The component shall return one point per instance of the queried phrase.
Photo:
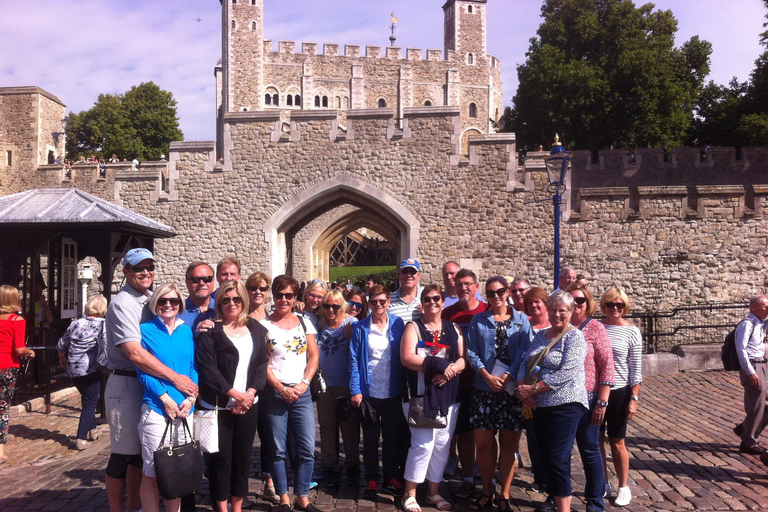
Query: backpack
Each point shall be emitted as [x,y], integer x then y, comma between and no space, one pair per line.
[728,351]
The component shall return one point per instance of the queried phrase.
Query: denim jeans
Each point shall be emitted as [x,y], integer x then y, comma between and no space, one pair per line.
[538,467]
[88,386]
[588,441]
[556,430]
[396,439]
[284,421]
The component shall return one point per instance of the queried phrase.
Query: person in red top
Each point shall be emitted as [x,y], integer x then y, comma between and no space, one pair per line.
[12,329]
[461,314]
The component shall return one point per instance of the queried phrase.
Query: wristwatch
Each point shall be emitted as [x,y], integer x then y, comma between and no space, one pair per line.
[635,398]
[602,403]
[305,381]
[536,388]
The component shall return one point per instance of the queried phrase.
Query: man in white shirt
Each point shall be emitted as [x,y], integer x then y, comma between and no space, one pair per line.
[405,301]
[750,336]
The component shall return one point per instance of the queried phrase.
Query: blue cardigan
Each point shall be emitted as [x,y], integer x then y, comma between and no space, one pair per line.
[358,357]
[481,344]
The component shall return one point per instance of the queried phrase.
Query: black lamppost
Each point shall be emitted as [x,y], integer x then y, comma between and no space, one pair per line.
[557,165]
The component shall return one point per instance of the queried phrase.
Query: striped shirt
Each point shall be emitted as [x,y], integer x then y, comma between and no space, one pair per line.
[408,312]
[627,345]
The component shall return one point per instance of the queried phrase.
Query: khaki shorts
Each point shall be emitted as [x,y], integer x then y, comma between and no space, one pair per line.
[122,398]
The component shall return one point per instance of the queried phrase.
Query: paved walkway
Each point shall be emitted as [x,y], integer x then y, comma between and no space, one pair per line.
[684,456]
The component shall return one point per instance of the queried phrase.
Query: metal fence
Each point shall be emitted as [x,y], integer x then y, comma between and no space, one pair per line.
[697,323]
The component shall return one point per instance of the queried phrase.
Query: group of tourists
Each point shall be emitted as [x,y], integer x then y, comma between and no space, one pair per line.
[435,372]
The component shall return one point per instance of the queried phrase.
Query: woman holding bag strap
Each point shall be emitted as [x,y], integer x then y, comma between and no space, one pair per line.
[232,360]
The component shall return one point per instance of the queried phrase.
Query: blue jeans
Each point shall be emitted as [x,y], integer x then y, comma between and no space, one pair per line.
[588,441]
[284,421]
[538,467]
[556,430]
[88,386]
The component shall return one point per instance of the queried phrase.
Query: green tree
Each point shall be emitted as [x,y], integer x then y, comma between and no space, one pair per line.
[140,123]
[605,71]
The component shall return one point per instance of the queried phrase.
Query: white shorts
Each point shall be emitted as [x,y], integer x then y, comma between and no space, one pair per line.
[122,398]
[151,428]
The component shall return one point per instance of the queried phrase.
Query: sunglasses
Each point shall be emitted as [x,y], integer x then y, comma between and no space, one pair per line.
[409,271]
[432,298]
[615,305]
[334,307]
[356,305]
[286,296]
[498,293]
[262,289]
[138,269]
[227,300]
[519,290]
[378,302]
[199,279]
[583,300]
[172,301]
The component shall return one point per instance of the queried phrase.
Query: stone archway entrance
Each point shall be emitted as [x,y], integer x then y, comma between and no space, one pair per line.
[301,232]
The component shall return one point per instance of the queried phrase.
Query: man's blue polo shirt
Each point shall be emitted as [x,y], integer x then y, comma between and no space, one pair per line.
[192,315]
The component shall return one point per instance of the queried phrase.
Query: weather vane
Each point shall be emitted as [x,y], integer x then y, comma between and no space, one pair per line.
[392,27]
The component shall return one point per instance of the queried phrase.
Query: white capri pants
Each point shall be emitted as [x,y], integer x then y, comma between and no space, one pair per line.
[429,449]
[151,428]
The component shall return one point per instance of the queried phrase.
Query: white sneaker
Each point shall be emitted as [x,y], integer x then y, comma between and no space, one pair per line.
[623,497]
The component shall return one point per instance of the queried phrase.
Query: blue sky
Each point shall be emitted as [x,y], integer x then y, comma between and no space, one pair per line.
[77,49]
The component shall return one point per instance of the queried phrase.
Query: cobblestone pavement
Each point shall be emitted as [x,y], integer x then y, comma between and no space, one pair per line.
[684,456]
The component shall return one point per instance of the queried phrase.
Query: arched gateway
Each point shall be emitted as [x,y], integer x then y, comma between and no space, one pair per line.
[366,206]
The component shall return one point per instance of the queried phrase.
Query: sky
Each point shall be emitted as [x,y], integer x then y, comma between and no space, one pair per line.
[78,49]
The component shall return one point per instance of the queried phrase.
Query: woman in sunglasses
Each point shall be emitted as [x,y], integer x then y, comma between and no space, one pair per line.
[333,345]
[598,368]
[627,346]
[257,285]
[287,409]
[313,298]
[358,306]
[432,352]
[232,360]
[170,340]
[496,341]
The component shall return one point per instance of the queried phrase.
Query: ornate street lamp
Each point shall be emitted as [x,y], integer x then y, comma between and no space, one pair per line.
[557,165]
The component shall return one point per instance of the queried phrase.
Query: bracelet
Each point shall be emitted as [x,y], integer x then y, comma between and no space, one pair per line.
[283,390]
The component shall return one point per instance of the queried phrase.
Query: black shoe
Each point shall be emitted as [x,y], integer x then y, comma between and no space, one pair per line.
[465,489]
[309,508]
[370,491]
[537,487]
[752,450]
[353,476]
[738,429]
[395,487]
[281,508]
[332,477]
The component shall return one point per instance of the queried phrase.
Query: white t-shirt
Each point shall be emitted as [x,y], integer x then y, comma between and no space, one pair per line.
[244,346]
[287,351]
[379,357]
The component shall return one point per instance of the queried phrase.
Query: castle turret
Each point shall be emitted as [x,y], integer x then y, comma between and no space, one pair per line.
[465,30]
[242,55]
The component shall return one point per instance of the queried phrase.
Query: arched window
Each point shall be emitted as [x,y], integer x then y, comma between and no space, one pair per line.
[427,103]
[382,103]
[276,100]
[337,102]
[267,99]
[297,100]
[289,100]
[469,9]
[253,25]
[317,101]
[253,2]
[233,24]
[470,59]
[245,109]
[472,110]
[325,101]
[345,103]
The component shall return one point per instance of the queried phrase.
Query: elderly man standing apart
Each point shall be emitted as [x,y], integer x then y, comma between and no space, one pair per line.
[124,392]
[405,301]
[750,334]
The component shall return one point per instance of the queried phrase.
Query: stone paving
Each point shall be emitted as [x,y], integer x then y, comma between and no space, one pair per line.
[684,456]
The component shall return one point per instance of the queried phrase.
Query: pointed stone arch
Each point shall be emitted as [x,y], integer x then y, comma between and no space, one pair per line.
[323,197]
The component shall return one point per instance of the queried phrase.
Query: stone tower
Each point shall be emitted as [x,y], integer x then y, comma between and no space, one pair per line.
[465,30]
[242,55]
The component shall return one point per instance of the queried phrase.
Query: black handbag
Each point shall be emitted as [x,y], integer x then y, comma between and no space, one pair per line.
[417,418]
[317,385]
[179,469]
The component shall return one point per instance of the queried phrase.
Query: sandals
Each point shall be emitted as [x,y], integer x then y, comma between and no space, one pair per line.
[505,502]
[410,504]
[481,501]
[439,502]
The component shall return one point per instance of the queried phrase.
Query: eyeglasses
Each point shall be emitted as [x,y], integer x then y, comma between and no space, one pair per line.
[334,307]
[409,271]
[315,296]
[199,279]
[378,302]
[173,301]
[519,290]
[262,289]
[583,300]
[236,300]
[286,296]
[615,305]
[498,292]
[432,298]
[138,269]
[356,305]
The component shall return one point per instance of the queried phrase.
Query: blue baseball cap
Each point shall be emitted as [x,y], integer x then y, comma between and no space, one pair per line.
[410,263]
[136,256]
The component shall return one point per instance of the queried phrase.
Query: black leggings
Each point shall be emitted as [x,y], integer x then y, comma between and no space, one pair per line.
[229,467]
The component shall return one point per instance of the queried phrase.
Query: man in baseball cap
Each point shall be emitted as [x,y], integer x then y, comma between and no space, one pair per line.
[405,301]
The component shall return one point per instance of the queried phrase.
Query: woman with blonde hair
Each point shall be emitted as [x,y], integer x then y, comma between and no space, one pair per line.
[78,349]
[313,299]
[257,285]
[627,347]
[12,347]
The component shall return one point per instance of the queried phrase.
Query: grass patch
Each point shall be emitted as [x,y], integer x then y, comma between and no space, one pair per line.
[358,274]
